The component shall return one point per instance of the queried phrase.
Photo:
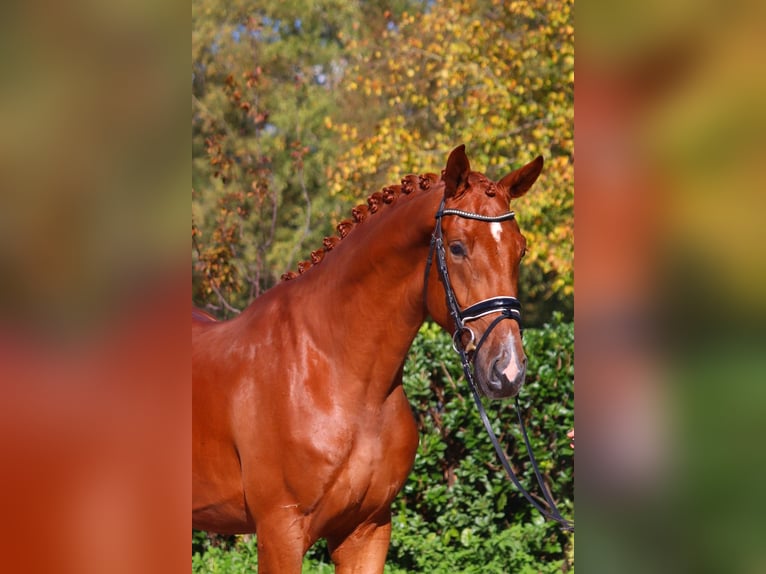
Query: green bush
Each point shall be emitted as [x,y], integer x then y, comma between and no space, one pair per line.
[458,511]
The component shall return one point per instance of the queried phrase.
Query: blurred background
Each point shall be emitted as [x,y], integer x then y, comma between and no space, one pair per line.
[670,287]
[302,109]
[94,356]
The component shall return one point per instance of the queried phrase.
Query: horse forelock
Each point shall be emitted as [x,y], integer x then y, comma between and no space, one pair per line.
[478,183]
[478,180]
[375,202]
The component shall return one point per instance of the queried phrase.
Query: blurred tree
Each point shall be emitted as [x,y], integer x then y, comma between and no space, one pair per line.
[495,75]
[300,109]
[263,79]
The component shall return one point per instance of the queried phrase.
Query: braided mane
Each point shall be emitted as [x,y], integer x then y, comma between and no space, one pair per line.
[361,212]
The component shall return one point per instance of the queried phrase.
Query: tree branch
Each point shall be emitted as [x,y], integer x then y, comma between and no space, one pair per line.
[223,300]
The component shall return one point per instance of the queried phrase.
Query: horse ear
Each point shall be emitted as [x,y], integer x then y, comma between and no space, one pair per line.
[456,172]
[518,182]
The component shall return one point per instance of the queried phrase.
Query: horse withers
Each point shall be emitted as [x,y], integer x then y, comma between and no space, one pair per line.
[301,427]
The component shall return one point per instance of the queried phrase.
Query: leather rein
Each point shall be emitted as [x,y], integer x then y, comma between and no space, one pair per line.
[508,308]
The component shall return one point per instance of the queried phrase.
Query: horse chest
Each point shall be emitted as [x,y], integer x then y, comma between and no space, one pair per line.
[363,464]
[364,485]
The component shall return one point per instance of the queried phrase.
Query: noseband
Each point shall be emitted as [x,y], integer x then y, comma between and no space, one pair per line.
[508,308]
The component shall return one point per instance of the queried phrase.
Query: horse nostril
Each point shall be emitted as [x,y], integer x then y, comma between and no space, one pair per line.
[499,376]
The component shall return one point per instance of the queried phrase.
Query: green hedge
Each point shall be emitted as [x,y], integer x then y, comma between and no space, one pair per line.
[458,512]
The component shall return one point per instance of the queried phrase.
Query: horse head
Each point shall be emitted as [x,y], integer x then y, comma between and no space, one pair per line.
[478,247]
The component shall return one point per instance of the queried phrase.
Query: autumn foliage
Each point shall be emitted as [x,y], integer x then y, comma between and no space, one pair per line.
[300,110]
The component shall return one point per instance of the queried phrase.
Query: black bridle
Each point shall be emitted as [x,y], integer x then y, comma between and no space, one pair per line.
[507,307]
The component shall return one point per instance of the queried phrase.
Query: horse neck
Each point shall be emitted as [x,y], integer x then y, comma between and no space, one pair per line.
[367,294]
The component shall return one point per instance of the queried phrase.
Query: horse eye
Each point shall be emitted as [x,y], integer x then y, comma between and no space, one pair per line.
[457,249]
[523,252]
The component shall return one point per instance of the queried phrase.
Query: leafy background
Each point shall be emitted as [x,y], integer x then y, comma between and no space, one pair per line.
[300,110]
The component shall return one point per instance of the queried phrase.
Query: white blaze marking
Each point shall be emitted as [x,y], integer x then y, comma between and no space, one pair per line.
[496,229]
[515,365]
[513,369]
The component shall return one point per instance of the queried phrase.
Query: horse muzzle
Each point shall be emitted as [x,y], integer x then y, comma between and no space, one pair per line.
[501,375]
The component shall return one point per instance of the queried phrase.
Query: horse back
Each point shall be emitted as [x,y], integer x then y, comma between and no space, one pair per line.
[218,500]
[200,316]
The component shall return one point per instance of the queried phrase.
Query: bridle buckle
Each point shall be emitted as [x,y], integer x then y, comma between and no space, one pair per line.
[457,343]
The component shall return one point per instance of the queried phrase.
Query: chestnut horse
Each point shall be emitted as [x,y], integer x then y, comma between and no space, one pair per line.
[301,427]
